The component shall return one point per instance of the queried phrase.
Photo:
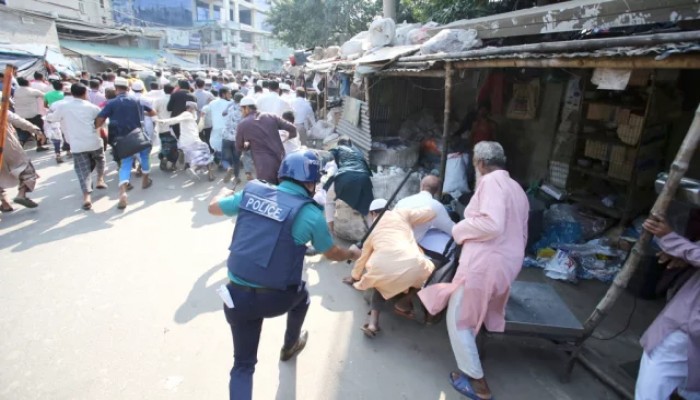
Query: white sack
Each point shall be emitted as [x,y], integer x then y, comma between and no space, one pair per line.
[381,32]
[451,41]
[321,130]
[455,174]
[402,30]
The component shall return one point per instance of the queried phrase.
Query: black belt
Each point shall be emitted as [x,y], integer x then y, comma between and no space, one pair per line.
[244,288]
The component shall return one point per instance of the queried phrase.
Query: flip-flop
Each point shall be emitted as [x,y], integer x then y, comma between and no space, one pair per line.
[102,186]
[129,186]
[405,314]
[7,209]
[464,387]
[87,206]
[148,184]
[25,201]
[370,333]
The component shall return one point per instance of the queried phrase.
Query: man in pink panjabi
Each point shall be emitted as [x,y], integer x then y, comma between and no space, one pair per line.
[493,237]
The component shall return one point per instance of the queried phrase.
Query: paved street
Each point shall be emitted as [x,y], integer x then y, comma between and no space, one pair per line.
[121,305]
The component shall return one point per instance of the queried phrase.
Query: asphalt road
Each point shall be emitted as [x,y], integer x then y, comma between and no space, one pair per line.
[108,305]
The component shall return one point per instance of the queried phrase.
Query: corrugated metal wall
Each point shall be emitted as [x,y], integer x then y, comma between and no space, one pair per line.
[360,134]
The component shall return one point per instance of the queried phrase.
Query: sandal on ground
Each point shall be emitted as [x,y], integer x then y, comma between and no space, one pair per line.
[148,184]
[25,201]
[101,186]
[369,332]
[464,387]
[6,209]
[87,206]
[408,314]
[129,186]
[349,282]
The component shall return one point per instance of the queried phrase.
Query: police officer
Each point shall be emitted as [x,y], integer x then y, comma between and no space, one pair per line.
[266,260]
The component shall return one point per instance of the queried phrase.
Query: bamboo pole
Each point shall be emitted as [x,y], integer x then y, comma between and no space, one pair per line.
[567,46]
[678,169]
[446,123]
[5,107]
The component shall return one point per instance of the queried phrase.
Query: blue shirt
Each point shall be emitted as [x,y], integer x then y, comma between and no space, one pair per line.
[125,114]
[309,224]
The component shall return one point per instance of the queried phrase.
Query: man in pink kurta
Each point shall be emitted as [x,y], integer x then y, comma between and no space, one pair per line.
[493,237]
[671,358]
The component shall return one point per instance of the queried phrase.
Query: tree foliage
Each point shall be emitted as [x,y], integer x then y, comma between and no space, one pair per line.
[445,11]
[308,23]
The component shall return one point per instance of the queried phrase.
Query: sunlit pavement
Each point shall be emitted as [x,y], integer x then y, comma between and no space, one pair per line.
[106,304]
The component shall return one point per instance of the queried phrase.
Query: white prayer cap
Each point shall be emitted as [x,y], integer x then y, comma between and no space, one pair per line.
[137,86]
[377,204]
[121,82]
[284,86]
[192,105]
[248,101]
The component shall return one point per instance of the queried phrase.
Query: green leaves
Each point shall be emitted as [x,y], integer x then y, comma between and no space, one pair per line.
[309,23]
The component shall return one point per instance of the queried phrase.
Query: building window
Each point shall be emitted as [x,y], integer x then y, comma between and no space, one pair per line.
[246,37]
[217,13]
[102,3]
[245,17]
[218,36]
[202,11]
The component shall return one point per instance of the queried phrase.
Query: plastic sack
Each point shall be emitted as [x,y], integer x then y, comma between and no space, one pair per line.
[352,48]
[381,32]
[561,267]
[321,130]
[420,35]
[331,52]
[402,31]
[455,174]
[596,259]
[451,41]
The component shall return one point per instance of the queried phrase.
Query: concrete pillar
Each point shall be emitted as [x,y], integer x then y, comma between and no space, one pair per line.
[236,11]
[237,62]
[389,9]
[225,11]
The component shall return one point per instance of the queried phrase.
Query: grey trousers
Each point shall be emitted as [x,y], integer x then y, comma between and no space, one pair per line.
[84,163]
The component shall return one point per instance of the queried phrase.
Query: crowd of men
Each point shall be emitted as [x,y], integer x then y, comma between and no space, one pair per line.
[209,123]
[194,117]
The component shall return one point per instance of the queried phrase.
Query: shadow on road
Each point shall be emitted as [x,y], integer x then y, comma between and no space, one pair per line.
[202,298]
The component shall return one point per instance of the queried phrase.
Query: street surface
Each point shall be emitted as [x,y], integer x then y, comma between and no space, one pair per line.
[122,305]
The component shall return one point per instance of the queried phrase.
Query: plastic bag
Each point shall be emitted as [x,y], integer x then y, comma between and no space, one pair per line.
[455,174]
[402,31]
[561,267]
[381,32]
[451,41]
[420,35]
[351,49]
[321,130]
[596,259]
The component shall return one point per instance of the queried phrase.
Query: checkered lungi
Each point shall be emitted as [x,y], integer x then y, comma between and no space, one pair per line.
[84,163]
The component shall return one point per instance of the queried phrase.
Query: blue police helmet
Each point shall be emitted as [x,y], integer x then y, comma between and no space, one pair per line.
[302,166]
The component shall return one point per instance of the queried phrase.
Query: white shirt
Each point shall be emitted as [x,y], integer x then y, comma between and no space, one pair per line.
[189,133]
[26,104]
[77,118]
[107,85]
[216,110]
[290,145]
[160,106]
[303,113]
[272,103]
[163,81]
[423,199]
